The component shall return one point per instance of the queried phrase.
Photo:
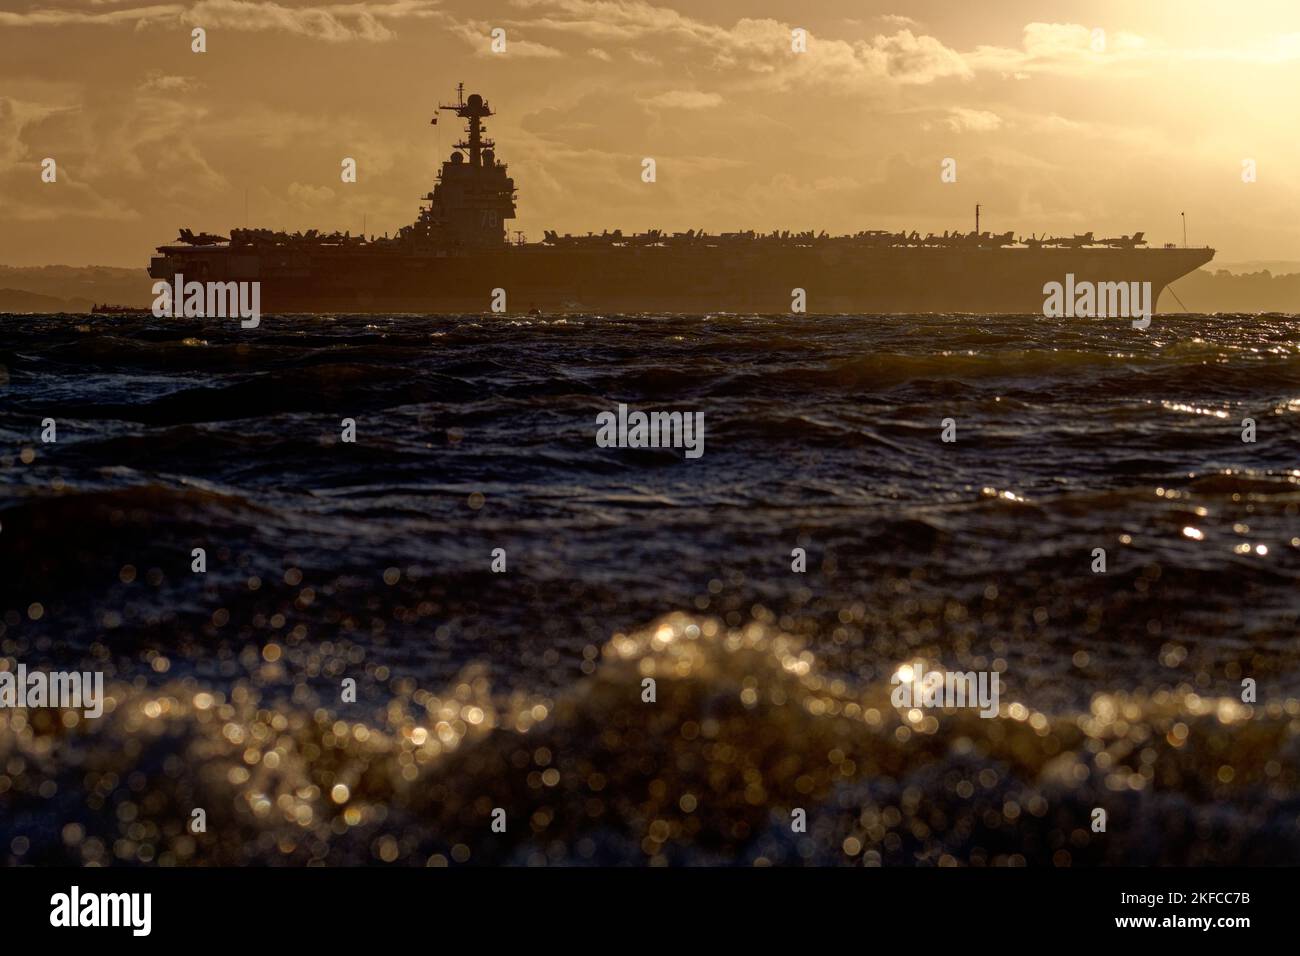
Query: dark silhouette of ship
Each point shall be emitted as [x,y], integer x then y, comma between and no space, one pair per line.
[457,254]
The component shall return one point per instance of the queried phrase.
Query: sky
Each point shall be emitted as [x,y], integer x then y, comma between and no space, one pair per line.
[1062,117]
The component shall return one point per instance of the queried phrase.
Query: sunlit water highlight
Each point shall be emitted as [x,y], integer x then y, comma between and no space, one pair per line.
[523,690]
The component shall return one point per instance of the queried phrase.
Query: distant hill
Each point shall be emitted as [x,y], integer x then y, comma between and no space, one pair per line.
[1279,267]
[72,288]
[19,300]
[1224,291]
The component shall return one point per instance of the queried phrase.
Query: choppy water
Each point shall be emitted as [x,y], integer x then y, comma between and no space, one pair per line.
[522,690]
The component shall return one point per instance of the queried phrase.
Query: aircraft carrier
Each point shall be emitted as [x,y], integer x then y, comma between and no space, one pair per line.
[458,252]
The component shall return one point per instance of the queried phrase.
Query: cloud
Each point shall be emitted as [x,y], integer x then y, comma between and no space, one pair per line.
[15,115]
[961,119]
[1073,49]
[334,24]
[754,52]
[365,20]
[898,20]
[479,36]
[62,17]
[27,197]
[684,100]
[63,201]
[304,194]
[158,82]
[1055,48]
[908,58]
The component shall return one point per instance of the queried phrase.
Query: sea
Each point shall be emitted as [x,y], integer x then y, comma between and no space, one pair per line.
[367,590]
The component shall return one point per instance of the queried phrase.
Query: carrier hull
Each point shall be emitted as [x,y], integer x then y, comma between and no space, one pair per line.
[663,279]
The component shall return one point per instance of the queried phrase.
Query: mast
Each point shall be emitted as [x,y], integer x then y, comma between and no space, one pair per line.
[473,111]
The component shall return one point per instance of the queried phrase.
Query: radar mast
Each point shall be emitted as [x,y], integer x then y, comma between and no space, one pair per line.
[473,111]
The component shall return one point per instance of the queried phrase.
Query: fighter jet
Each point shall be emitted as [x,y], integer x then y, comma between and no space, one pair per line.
[202,239]
[1126,242]
[1079,240]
